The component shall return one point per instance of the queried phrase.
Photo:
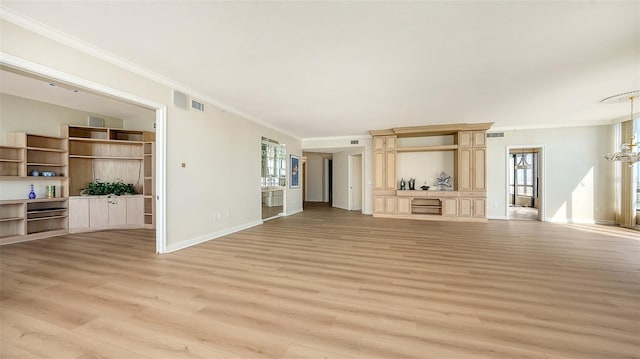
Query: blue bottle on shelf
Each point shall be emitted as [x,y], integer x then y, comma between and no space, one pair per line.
[32,193]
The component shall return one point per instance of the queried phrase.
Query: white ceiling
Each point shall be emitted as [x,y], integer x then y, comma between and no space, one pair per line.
[25,85]
[321,69]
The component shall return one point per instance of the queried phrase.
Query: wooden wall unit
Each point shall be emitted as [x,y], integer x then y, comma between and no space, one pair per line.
[26,219]
[81,155]
[467,200]
[109,155]
[149,185]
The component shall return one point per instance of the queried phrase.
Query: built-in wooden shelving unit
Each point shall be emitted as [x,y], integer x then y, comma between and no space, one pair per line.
[465,202]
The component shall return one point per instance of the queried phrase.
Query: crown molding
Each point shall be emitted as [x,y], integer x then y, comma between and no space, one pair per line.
[331,138]
[49,32]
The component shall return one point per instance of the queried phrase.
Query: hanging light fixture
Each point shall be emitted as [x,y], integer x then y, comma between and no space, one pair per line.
[523,164]
[626,153]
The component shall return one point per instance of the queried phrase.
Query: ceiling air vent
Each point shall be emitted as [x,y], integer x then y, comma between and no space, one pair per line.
[197,105]
[355,142]
[495,134]
[180,100]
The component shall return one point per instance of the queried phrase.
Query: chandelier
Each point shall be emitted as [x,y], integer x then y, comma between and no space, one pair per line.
[626,153]
[523,164]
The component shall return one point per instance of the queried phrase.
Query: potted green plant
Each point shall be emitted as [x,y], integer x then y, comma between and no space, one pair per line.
[99,188]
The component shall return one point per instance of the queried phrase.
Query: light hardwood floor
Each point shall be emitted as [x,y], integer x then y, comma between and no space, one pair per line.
[328,283]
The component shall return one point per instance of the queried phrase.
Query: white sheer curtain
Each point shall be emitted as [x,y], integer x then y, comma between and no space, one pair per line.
[626,191]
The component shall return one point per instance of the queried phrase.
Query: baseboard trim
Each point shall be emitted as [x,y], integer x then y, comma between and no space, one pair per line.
[581,221]
[299,210]
[207,237]
[504,218]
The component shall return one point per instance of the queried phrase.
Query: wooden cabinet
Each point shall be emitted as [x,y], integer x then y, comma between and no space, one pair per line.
[390,163]
[135,211]
[98,213]
[89,213]
[450,207]
[390,204]
[379,176]
[78,213]
[404,205]
[384,174]
[472,207]
[384,163]
[471,167]
[379,204]
[81,155]
[110,155]
[466,145]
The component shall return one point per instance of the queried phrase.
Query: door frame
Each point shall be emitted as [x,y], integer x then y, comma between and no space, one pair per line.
[542,174]
[161,125]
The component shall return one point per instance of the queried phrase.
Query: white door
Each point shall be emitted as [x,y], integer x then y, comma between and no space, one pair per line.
[355,182]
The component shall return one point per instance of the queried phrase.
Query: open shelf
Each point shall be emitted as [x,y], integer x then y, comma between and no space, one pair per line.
[107,157]
[426,206]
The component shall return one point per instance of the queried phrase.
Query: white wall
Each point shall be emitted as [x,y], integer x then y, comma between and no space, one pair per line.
[424,167]
[344,144]
[314,177]
[19,114]
[579,182]
[221,150]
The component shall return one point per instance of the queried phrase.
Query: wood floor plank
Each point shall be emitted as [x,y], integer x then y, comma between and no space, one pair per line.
[328,283]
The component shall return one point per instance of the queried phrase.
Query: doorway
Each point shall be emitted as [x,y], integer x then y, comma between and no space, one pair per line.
[355,182]
[329,181]
[524,187]
[33,69]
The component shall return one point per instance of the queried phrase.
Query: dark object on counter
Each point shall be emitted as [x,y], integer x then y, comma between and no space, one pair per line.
[425,188]
[412,184]
[402,184]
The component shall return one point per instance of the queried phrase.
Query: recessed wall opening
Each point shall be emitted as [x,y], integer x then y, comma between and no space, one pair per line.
[63,90]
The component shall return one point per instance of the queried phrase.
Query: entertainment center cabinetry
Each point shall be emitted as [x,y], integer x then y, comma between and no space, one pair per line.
[68,163]
[465,201]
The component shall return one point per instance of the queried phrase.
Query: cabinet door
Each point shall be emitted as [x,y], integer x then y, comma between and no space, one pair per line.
[390,143]
[378,169]
[117,211]
[479,139]
[78,213]
[98,212]
[404,205]
[478,170]
[450,207]
[464,170]
[135,210]
[378,143]
[391,171]
[465,139]
[378,204]
[479,207]
[465,207]
[390,205]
